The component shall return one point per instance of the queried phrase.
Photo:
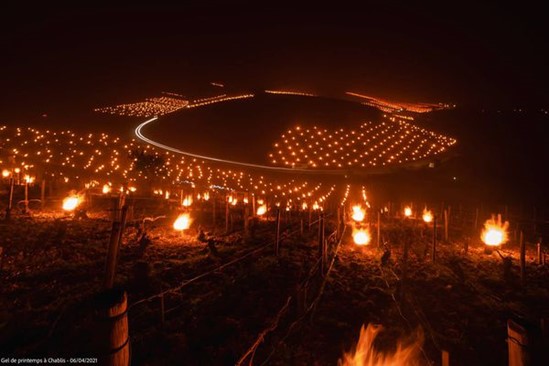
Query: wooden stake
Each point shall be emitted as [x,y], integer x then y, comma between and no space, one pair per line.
[446,225]
[112,253]
[522,258]
[10,199]
[434,250]
[445,358]
[378,228]
[115,335]
[162,309]
[246,221]
[321,246]
[540,257]
[226,215]
[277,238]
[517,343]
[43,193]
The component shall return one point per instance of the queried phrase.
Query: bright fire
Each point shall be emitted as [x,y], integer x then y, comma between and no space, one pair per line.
[70,203]
[358,213]
[261,210]
[106,189]
[187,201]
[407,352]
[183,222]
[361,237]
[494,232]
[407,211]
[427,215]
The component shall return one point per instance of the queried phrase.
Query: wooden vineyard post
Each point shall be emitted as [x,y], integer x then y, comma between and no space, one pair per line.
[378,229]
[522,258]
[10,198]
[26,196]
[338,220]
[112,254]
[277,237]
[213,209]
[162,309]
[246,221]
[446,214]
[445,358]
[517,343]
[475,222]
[321,245]
[226,215]
[43,193]
[253,205]
[540,252]
[434,249]
[114,328]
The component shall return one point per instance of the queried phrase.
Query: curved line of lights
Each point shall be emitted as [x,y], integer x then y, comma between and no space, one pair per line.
[140,135]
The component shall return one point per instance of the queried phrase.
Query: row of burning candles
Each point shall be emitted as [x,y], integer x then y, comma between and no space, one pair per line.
[493,234]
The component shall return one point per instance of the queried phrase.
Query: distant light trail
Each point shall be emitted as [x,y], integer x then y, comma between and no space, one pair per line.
[140,135]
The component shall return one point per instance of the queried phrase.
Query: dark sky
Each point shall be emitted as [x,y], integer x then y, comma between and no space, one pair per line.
[475,54]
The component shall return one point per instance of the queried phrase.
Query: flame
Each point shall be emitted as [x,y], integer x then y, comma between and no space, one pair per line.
[358,213]
[494,232]
[5,173]
[183,222]
[106,189]
[187,201]
[206,196]
[427,215]
[70,203]
[261,210]
[28,179]
[407,211]
[407,352]
[304,206]
[316,206]
[361,236]
[234,201]
[245,200]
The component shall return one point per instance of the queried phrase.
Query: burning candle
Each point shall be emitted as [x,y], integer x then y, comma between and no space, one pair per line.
[427,216]
[183,222]
[361,237]
[494,232]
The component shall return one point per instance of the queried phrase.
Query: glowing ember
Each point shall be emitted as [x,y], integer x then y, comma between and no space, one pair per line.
[206,196]
[316,206]
[361,237]
[28,179]
[494,232]
[70,203]
[427,215]
[5,173]
[358,213]
[304,206]
[261,210]
[407,211]
[183,222]
[407,352]
[106,189]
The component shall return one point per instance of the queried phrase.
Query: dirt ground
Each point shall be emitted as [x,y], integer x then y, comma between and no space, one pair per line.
[53,267]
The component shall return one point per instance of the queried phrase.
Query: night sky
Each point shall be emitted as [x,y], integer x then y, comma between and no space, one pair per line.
[470,55]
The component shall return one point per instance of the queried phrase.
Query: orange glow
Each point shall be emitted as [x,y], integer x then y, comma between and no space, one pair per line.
[70,203]
[187,201]
[183,222]
[407,211]
[406,353]
[361,236]
[427,216]
[106,189]
[5,173]
[261,210]
[494,232]
[358,213]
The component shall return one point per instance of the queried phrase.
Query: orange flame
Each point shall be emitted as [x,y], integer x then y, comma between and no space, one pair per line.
[361,236]
[427,216]
[261,210]
[407,352]
[70,203]
[358,213]
[183,222]
[494,232]
[407,211]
